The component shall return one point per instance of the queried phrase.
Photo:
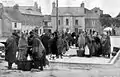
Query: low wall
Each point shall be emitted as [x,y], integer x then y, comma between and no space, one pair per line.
[115,42]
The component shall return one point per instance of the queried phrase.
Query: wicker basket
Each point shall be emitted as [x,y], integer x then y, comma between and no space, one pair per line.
[25,65]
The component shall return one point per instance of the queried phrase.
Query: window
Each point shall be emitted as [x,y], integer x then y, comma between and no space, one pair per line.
[46,24]
[76,22]
[96,11]
[59,22]
[15,25]
[67,22]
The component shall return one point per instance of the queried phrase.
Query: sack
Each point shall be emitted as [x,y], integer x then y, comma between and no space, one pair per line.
[25,65]
[87,51]
[80,53]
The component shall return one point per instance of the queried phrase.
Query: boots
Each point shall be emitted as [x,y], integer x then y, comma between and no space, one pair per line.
[10,65]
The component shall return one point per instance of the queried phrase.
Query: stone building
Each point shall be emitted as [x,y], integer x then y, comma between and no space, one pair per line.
[20,18]
[47,27]
[32,18]
[75,19]
[10,20]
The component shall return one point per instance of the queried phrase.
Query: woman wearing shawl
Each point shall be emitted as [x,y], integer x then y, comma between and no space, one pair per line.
[106,45]
[22,45]
[11,49]
[38,52]
[60,43]
[81,41]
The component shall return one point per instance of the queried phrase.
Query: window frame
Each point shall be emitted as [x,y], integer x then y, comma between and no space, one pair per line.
[59,22]
[46,23]
[67,21]
[76,22]
[15,25]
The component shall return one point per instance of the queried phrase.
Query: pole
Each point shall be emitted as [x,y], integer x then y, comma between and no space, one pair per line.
[57,15]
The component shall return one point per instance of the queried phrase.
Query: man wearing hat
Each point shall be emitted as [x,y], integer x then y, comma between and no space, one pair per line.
[11,49]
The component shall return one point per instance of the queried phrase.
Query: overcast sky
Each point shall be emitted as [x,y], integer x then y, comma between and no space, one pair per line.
[111,7]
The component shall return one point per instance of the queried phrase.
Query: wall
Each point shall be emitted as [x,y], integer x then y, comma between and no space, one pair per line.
[6,27]
[92,23]
[27,28]
[81,22]
[0,27]
[114,42]
[70,25]
[53,23]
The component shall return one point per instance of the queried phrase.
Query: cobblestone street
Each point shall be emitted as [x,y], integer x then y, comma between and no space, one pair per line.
[57,70]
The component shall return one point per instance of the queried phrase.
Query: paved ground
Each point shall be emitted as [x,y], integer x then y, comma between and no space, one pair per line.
[55,70]
[75,59]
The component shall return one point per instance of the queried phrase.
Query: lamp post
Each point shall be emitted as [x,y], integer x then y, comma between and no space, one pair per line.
[56,15]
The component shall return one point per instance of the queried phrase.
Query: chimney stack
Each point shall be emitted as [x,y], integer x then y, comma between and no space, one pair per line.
[53,5]
[16,6]
[82,4]
[39,9]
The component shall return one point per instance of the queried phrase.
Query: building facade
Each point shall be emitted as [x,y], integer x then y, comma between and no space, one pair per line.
[47,27]
[10,20]
[20,18]
[75,19]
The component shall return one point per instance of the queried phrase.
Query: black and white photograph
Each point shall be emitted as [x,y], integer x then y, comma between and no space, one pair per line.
[59,38]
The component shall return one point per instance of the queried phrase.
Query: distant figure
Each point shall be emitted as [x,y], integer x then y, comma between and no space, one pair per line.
[38,52]
[11,49]
[81,41]
[52,44]
[106,45]
[60,43]
[44,40]
[22,45]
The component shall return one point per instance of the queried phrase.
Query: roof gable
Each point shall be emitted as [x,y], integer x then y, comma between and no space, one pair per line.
[29,10]
[13,14]
[69,10]
[32,19]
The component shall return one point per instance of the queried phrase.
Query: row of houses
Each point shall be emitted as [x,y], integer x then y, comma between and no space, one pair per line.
[22,18]
[26,18]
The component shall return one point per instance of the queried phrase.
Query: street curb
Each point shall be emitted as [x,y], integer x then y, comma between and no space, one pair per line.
[111,62]
[115,58]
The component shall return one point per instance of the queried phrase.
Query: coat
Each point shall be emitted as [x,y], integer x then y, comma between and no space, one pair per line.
[52,45]
[106,45]
[22,53]
[38,51]
[37,48]
[60,43]
[81,41]
[11,49]
[44,40]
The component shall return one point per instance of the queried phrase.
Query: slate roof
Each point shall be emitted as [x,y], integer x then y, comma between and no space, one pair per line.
[13,14]
[29,10]
[32,19]
[90,14]
[76,11]
[16,16]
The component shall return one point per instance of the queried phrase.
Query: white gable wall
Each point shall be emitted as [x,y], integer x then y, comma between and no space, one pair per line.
[0,27]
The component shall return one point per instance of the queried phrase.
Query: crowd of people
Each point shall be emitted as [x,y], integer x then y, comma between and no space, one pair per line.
[57,43]
[97,44]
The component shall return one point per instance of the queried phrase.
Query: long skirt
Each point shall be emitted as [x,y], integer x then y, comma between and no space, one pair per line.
[22,54]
